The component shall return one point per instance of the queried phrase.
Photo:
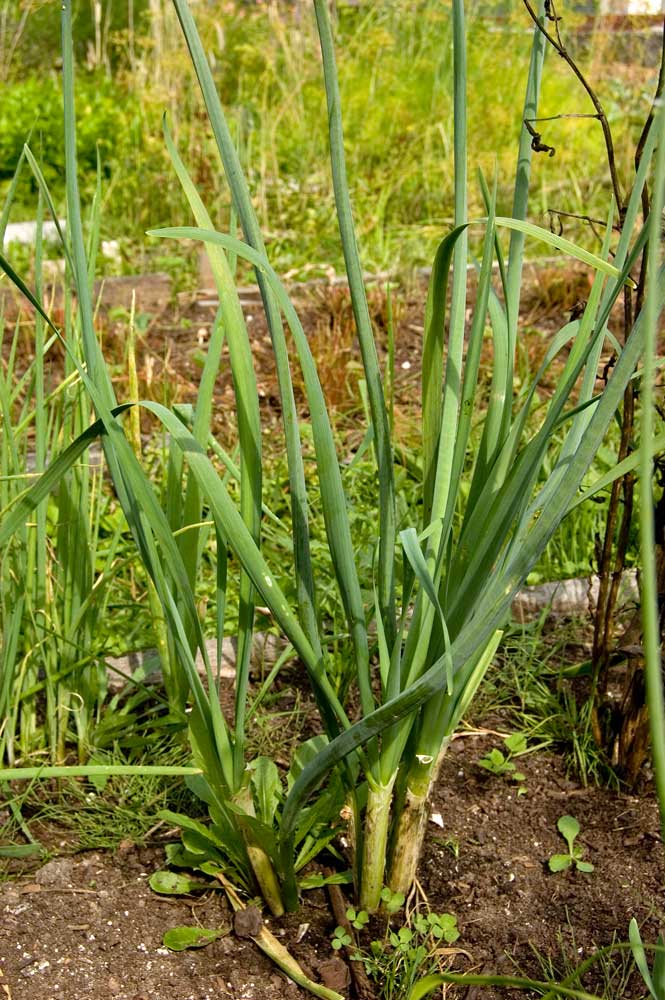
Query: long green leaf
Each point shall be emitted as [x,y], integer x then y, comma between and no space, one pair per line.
[249,433]
[245,210]
[651,612]
[428,984]
[380,424]
[332,490]
[432,364]
[560,243]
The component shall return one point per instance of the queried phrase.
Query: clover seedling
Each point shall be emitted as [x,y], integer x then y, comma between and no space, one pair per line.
[358,918]
[441,926]
[569,828]
[391,901]
[341,937]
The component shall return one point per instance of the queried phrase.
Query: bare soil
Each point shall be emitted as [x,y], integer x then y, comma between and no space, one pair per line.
[88,925]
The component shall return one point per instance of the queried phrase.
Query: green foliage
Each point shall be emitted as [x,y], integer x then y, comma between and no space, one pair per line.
[257,811]
[109,126]
[184,938]
[391,902]
[396,961]
[569,829]
[357,918]
[341,939]
[501,764]
[654,979]
[537,681]
[440,585]
[395,79]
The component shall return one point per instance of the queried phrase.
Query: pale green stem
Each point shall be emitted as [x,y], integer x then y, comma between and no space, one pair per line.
[650,610]
[259,860]
[375,842]
[412,821]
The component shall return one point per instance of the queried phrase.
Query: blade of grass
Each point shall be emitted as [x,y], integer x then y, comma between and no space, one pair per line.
[245,210]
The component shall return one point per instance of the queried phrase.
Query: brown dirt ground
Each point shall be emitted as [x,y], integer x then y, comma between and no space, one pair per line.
[88,925]
[176,339]
[176,330]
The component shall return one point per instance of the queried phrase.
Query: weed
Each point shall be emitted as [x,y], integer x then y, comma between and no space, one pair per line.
[654,979]
[501,764]
[569,829]
[396,961]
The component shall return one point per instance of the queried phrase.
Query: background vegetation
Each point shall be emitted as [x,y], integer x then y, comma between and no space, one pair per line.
[395,80]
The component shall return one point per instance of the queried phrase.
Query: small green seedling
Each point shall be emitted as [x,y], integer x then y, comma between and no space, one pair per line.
[451,844]
[397,960]
[391,902]
[440,926]
[569,828]
[357,918]
[501,764]
[341,937]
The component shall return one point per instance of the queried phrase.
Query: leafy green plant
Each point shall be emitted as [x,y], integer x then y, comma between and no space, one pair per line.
[395,961]
[341,937]
[391,902]
[569,829]
[501,764]
[56,585]
[357,918]
[440,593]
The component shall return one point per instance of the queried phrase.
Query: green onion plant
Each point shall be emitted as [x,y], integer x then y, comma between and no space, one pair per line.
[441,591]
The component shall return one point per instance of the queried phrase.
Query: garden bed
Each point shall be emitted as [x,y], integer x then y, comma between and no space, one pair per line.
[88,925]
[173,331]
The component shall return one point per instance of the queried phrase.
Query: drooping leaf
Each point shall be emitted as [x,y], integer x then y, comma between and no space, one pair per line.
[173,884]
[560,243]
[317,880]
[182,938]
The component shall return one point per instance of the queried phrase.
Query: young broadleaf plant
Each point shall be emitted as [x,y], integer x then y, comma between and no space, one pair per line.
[433,641]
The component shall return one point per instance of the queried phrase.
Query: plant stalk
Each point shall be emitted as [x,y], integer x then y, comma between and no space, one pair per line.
[412,822]
[260,861]
[375,843]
